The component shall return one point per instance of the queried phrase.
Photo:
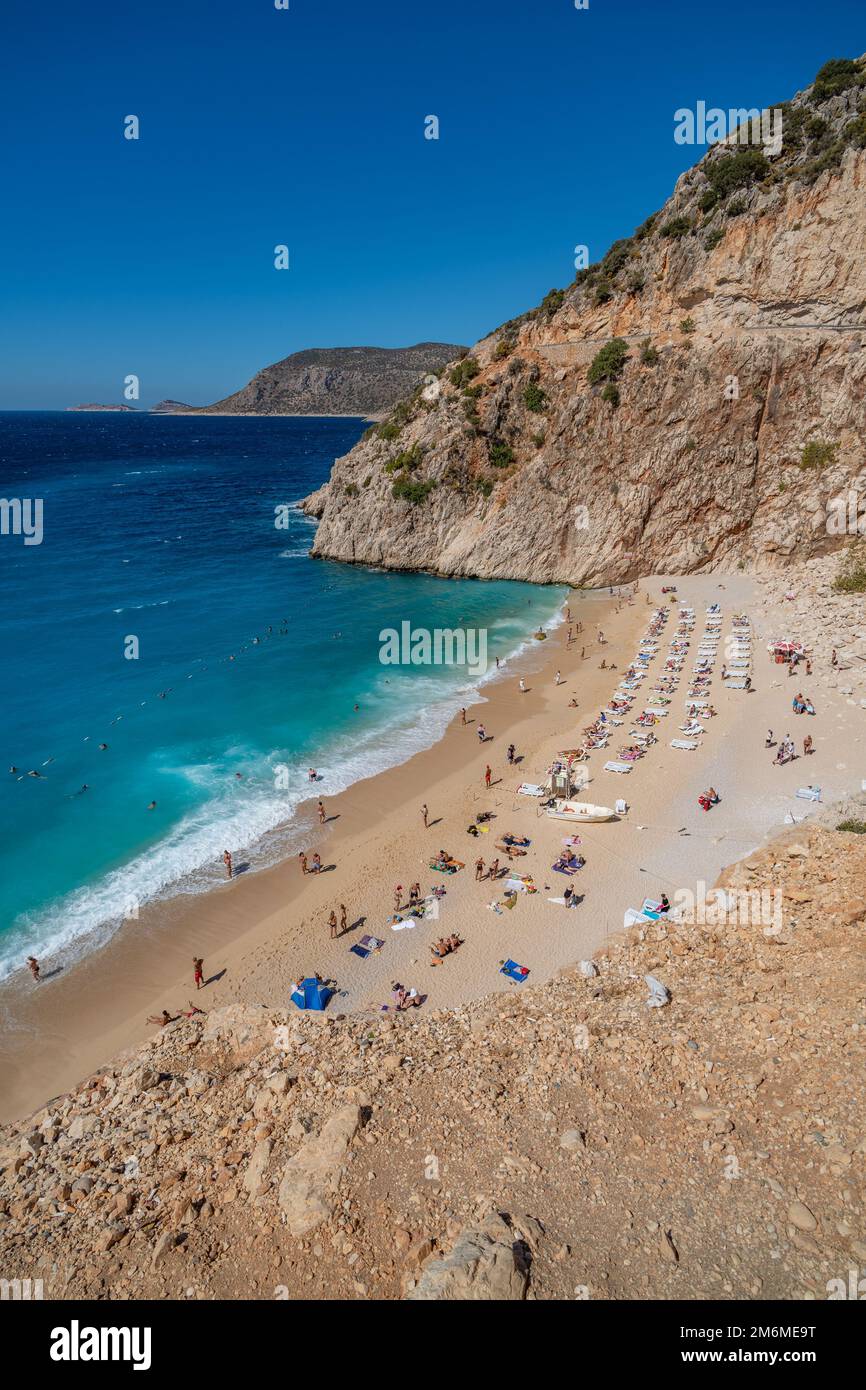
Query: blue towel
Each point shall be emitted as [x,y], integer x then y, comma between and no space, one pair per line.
[359,951]
[513,971]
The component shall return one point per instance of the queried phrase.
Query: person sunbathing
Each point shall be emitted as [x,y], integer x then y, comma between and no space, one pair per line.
[162,1019]
[511,839]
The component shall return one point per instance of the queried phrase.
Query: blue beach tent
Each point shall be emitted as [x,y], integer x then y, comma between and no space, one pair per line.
[312,994]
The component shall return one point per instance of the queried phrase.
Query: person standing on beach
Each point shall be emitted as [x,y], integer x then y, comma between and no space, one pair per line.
[303,858]
[398,896]
[479,869]
[33,965]
[493,871]
[227,860]
[487,776]
[317,864]
[522,684]
[321,813]
[482,733]
[344,918]
[511,752]
[463,715]
[198,971]
[424,814]
[332,923]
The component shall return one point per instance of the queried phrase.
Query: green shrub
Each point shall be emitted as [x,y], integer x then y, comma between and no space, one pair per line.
[713,238]
[408,490]
[465,370]
[368,480]
[648,354]
[406,460]
[400,416]
[538,440]
[551,302]
[732,171]
[352,490]
[818,454]
[534,398]
[854,827]
[484,486]
[503,347]
[677,227]
[611,394]
[851,578]
[834,77]
[608,362]
[499,453]
[855,131]
[617,256]
[687,325]
[603,292]
[646,228]
[636,282]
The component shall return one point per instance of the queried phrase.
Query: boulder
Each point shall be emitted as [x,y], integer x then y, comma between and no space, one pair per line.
[310,1178]
[480,1268]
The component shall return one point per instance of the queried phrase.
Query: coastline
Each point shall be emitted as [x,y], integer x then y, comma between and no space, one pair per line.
[66,1028]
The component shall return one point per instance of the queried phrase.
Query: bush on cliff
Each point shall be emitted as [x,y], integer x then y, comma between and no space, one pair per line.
[851,578]
[407,490]
[609,362]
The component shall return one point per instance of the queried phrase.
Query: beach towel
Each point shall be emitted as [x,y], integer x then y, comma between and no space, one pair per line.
[520,885]
[358,950]
[809,793]
[515,972]
[686,743]
[634,918]
[617,767]
[404,923]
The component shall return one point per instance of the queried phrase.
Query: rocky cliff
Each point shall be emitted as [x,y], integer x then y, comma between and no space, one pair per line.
[334,381]
[689,402]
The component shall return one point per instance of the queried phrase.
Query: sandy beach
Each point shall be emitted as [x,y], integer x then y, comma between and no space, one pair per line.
[260,932]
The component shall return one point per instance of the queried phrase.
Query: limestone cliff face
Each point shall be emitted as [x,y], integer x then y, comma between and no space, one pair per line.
[741,313]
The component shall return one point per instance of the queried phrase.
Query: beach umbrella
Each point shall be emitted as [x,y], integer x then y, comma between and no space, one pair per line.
[312,994]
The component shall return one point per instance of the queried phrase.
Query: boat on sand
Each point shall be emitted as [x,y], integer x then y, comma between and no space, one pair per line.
[583,811]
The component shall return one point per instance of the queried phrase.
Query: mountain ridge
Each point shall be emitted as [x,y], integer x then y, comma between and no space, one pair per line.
[364,381]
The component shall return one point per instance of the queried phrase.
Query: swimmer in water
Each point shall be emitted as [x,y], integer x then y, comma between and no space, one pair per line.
[102,747]
[152,806]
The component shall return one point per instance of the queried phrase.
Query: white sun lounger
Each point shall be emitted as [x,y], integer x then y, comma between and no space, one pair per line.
[808,793]
[530,789]
[690,744]
[618,767]
[738,683]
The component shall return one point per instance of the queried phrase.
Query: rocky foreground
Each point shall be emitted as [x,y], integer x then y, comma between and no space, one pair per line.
[558,1142]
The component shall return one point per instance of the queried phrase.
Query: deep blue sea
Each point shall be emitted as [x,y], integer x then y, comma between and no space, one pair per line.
[250,659]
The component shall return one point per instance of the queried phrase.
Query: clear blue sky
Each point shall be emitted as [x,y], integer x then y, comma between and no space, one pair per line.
[261,126]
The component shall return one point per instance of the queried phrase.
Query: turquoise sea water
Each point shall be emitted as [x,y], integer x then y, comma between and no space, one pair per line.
[163,529]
